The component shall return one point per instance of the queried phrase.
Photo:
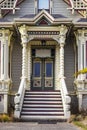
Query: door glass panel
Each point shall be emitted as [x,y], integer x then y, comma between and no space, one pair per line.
[37,69]
[49,69]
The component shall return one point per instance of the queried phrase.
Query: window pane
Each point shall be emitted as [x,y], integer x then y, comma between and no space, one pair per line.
[49,69]
[43,4]
[37,69]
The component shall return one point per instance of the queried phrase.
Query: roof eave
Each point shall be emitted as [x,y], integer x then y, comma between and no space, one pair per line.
[80,24]
[6,24]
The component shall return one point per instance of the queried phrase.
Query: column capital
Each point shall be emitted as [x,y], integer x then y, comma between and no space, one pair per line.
[5,36]
[62,35]
[24,35]
[80,36]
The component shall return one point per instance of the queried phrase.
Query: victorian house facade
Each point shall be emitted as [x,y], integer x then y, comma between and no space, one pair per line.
[43,43]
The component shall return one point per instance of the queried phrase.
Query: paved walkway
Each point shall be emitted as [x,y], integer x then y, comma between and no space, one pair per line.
[36,126]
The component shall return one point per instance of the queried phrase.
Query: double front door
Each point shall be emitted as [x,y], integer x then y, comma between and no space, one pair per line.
[42,74]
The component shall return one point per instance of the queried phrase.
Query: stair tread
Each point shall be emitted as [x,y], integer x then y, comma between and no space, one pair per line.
[49,98]
[43,109]
[42,105]
[45,117]
[51,113]
[42,96]
[43,91]
[41,102]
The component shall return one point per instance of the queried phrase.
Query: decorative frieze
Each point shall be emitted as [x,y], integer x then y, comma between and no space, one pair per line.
[24,35]
[43,32]
[62,35]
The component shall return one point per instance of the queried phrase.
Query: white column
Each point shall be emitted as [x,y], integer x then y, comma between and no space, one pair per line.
[29,66]
[5,53]
[24,60]
[61,60]
[81,43]
[57,68]
[5,103]
[62,37]
[80,101]
[24,41]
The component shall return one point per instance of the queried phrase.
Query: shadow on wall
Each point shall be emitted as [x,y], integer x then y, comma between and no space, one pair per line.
[74,104]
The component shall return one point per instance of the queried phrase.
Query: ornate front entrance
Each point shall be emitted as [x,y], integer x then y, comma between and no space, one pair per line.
[42,73]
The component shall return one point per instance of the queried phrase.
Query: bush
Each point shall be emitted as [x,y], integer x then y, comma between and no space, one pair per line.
[5,118]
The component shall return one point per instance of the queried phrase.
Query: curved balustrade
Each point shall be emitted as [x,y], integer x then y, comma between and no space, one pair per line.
[19,98]
[65,98]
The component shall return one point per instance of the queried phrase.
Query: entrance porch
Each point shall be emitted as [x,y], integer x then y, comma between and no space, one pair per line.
[42,79]
[42,83]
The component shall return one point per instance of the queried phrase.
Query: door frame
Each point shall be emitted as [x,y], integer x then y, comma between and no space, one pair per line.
[42,77]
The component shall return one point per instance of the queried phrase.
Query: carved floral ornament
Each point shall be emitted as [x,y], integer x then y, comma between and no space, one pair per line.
[81,35]
[5,36]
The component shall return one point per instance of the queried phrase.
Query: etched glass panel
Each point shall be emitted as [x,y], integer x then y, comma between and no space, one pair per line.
[49,69]
[37,69]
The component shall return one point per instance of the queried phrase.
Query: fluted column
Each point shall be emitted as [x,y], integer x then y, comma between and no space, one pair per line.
[24,41]
[62,37]
[5,42]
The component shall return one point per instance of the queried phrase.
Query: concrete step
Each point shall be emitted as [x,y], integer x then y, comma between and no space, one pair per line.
[41,113]
[44,117]
[42,105]
[41,96]
[43,92]
[41,99]
[42,102]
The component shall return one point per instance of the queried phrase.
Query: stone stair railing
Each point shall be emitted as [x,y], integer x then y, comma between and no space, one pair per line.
[65,98]
[18,100]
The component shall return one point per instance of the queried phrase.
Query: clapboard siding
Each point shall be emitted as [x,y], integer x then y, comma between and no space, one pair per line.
[60,7]
[69,65]
[16,65]
[26,7]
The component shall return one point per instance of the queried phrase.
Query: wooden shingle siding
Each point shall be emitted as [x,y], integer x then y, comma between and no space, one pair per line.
[16,66]
[69,65]
[60,7]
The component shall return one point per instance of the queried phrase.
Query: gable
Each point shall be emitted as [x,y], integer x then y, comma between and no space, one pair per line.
[28,7]
[43,22]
